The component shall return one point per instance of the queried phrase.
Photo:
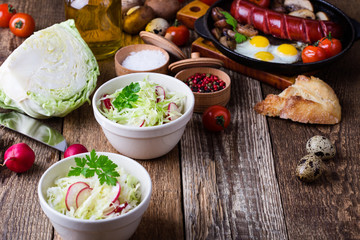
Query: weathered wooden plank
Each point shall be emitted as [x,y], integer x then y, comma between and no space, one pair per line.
[164,217]
[229,182]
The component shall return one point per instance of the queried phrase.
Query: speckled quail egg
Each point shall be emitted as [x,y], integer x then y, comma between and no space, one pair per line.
[309,168]
[321,147]
[157,26]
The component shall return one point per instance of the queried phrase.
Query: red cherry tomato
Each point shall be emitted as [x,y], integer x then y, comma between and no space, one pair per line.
[179,34]
[332,46]
[261,3]
[216,118]
[6,12]
[208,2]
[22,25]
[313,54]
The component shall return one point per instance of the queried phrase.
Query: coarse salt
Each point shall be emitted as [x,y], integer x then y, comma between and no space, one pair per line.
[144,60]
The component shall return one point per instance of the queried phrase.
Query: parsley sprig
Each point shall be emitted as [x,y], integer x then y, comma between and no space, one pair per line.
[91,164]
[239,38]
[127,96]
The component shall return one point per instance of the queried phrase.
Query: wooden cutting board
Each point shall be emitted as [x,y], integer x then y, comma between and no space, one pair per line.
[194,10]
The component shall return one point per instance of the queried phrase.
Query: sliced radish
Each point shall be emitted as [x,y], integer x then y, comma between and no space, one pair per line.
[121,207]
[160,91]
[72,192]
[107,102]
[82,196]
[173,108]
[142,124]
[112,207]
[115,192]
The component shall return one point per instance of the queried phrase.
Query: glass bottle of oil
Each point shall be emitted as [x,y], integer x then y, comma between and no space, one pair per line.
[99,23]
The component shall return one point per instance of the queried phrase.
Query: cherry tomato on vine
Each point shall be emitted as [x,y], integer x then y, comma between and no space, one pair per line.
[6,12]
[22,25]
[332,46]
[179,34]
[216,118]
[313,54]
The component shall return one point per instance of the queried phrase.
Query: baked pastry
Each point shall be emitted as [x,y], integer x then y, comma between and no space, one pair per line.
[309,100]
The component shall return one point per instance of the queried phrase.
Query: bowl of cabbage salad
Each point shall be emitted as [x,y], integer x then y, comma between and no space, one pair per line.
[143,115]
[96,195]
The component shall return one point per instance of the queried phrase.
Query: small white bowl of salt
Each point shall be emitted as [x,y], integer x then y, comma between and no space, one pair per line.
[141,58]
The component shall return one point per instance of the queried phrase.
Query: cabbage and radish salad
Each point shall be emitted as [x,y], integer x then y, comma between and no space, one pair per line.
[142,104]
[90,194]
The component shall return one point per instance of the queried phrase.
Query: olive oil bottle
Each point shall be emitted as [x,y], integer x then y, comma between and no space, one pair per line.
[99,23]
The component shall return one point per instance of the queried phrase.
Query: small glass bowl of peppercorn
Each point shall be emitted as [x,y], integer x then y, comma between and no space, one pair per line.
[210,86]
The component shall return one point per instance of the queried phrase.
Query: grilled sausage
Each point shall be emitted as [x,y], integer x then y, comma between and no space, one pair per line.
[281,25]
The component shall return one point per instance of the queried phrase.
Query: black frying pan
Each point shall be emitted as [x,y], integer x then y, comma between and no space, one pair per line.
[351,30]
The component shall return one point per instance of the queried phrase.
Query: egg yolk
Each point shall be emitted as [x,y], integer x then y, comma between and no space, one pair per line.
[264,56]
[259,41]
[287,49]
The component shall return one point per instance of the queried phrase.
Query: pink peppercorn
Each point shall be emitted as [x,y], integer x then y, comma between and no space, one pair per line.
[205,83]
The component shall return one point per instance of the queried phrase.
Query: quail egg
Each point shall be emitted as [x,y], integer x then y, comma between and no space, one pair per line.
[321,147]
[157,26]
[309,168]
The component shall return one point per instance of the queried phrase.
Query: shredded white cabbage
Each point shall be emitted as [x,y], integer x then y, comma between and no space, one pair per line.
[98,205]
[148,110]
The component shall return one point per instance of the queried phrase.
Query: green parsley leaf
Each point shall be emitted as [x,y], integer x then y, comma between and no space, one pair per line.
[91,160]
[80,162]
[101,165]
[88,172]
[230,19]
[108,179]
[239,38]
[75,171]
[127,96]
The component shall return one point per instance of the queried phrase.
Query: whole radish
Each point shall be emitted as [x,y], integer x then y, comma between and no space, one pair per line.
[75,149]
[19,158]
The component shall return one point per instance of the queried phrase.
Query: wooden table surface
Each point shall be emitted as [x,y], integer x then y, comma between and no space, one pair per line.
[236,184]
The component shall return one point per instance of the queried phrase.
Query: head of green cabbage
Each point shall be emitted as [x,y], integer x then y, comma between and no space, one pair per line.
[50,74]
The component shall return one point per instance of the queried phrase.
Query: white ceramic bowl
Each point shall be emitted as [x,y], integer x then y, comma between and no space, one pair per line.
[121,227]
[144,142]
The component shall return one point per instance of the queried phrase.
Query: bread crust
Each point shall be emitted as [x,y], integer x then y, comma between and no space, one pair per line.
[309,100]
